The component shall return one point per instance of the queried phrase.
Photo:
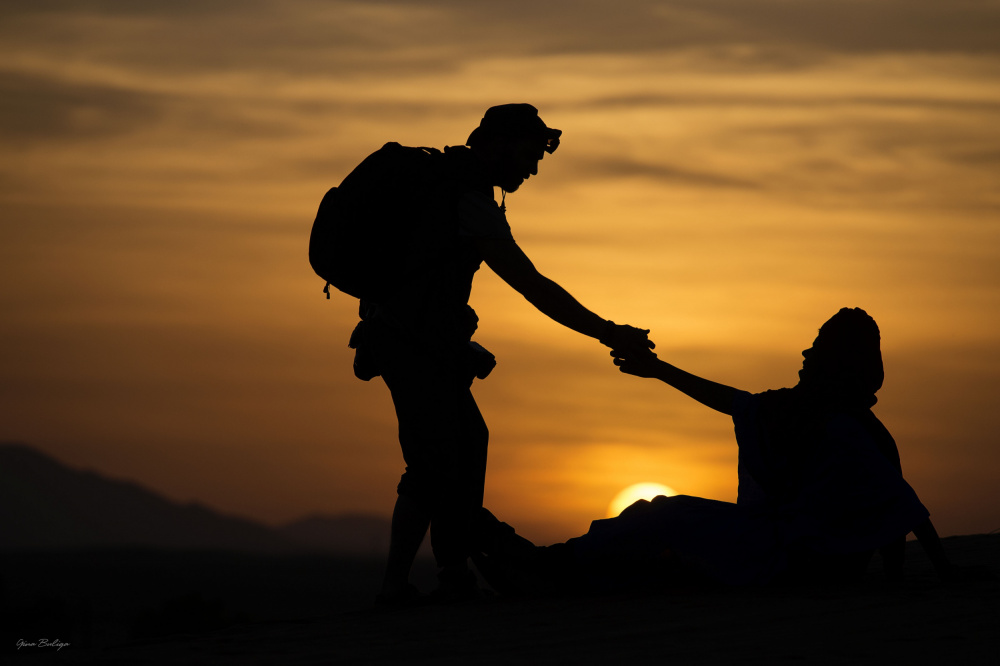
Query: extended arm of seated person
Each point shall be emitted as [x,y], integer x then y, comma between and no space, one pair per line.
[509,262]
[711,394]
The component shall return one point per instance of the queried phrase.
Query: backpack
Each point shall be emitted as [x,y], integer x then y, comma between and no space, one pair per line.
[365,237]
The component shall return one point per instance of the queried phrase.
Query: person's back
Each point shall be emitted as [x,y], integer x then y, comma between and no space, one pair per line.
[431,302]
[830,477]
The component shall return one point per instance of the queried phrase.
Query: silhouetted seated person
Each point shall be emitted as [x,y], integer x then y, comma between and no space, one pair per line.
[820,488]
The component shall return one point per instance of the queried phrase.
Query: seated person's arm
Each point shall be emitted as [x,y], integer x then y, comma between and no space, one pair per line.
[509,262]
[711,394]
[931,543]
[893,555]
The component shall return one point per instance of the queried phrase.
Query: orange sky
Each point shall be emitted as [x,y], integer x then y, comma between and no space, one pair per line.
[731,174]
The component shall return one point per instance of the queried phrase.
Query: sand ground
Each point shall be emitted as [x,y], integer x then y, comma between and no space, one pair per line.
[253,614]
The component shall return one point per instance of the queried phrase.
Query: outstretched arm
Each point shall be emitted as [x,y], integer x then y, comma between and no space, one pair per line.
[711,394]
[508,261]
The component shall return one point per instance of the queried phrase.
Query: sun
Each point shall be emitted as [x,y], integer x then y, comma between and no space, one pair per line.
[636,492]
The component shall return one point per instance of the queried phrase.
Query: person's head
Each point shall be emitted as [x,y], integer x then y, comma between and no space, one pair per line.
[845,360]
[511,139]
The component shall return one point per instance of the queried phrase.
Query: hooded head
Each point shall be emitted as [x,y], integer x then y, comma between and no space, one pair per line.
[845,361]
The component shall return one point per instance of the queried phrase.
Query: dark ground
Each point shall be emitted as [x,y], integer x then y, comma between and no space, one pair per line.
[158,607]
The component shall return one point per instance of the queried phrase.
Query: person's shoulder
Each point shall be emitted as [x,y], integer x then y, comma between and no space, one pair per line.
[479,216]
[464,170]
[455,153]
[781,401]
[776,395]
[849,435]
[745,404]
[852,419]
[782,408]
[460,161]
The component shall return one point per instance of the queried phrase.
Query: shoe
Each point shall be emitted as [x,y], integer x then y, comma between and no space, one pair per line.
[508,562]
[499,575]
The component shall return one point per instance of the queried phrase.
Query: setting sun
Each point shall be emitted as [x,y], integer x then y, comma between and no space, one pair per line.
[636,492]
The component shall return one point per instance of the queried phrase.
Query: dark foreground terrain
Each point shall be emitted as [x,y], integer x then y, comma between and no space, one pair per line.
[160,607]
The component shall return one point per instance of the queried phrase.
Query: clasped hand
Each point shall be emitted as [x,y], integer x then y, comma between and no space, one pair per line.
[628,339]
[631,349]
[641,363]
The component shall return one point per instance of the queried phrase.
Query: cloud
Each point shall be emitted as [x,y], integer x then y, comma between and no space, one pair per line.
[355,39]
[791,98]
[34,108]
[641,26]
[603,168]
[867,26]
[339,39]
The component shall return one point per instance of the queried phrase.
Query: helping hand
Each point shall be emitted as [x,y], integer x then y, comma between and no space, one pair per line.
[640,364]
[627,339]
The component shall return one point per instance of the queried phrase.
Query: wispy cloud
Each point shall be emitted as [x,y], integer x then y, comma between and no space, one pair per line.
[603,168]
[43,110]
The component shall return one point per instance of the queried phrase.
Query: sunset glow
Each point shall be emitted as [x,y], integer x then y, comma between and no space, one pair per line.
[634,493]
[731,174]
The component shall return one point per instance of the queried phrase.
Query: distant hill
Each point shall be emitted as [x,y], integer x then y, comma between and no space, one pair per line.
[46,505]
[350,534]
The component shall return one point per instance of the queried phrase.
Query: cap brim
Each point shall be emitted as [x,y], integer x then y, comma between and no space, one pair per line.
[549,135]
[552,139]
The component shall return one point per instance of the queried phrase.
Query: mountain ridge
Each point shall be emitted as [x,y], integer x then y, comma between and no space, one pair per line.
[48,505]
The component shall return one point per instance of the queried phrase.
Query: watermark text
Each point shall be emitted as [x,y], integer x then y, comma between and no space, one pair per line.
[42,643]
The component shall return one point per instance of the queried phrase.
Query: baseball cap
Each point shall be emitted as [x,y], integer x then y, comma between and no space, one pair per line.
[516,120]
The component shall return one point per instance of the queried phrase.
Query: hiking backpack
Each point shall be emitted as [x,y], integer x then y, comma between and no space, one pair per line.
[365,239]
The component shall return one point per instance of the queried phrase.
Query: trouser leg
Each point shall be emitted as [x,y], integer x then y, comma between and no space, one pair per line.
[409,526]
[444,441]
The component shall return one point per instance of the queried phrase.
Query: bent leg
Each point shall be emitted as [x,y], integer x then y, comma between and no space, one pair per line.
[444,441]
[409,526]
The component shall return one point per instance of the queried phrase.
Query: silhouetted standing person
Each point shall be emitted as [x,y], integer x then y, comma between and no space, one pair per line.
[419,340]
